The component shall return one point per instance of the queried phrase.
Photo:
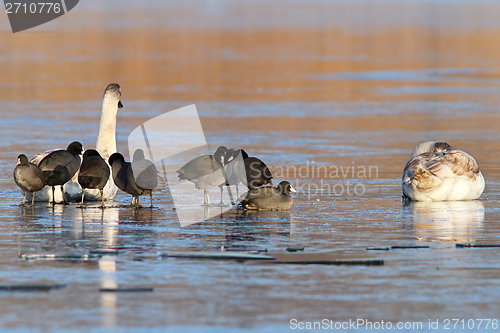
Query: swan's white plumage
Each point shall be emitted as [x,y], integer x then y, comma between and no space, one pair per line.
[106,145]
[106,139]
[437,174]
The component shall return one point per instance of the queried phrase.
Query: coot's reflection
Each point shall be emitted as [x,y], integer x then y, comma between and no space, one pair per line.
[70,229]
[454,221]
[255,228]
[258,217]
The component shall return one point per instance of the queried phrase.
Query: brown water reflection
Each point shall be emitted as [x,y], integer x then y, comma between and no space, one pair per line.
[300,84]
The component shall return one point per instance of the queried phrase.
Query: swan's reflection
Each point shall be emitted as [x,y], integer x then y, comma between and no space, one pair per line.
[107,266]
[454,221]
[107,219]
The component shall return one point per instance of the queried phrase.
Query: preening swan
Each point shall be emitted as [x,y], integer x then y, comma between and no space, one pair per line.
[106,145]
[437,172]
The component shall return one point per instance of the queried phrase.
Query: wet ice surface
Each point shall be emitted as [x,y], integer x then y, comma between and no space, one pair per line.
[438,282]
[336,113]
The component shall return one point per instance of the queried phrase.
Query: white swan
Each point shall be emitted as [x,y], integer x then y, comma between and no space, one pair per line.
[106,145]
[437,172]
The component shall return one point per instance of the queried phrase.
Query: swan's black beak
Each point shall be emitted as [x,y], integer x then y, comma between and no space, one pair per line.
[120,105]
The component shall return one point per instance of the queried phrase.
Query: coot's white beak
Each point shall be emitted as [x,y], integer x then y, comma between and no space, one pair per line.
[292,189]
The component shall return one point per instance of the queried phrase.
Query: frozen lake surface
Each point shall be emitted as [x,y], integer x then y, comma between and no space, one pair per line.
[332,103]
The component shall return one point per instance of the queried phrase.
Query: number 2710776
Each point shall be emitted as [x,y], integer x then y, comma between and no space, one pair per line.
[32,8]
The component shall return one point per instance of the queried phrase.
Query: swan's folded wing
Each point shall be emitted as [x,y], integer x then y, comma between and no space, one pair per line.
[453,163]
[414,165]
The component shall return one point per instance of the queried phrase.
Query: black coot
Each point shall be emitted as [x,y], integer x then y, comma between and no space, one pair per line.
[231,174]
[60,166]
[202,171]
[123,175]
[257,172]
[94,173]
[143,175]
[269,198]
[28,177]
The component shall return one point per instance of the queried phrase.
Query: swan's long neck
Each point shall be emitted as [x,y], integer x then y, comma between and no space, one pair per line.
[106,139]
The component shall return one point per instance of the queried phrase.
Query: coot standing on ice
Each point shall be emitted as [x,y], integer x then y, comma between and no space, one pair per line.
[256,171]
[94,173]
[124,175]
[60,166]
[28,177]
[201,171]
[144,175]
